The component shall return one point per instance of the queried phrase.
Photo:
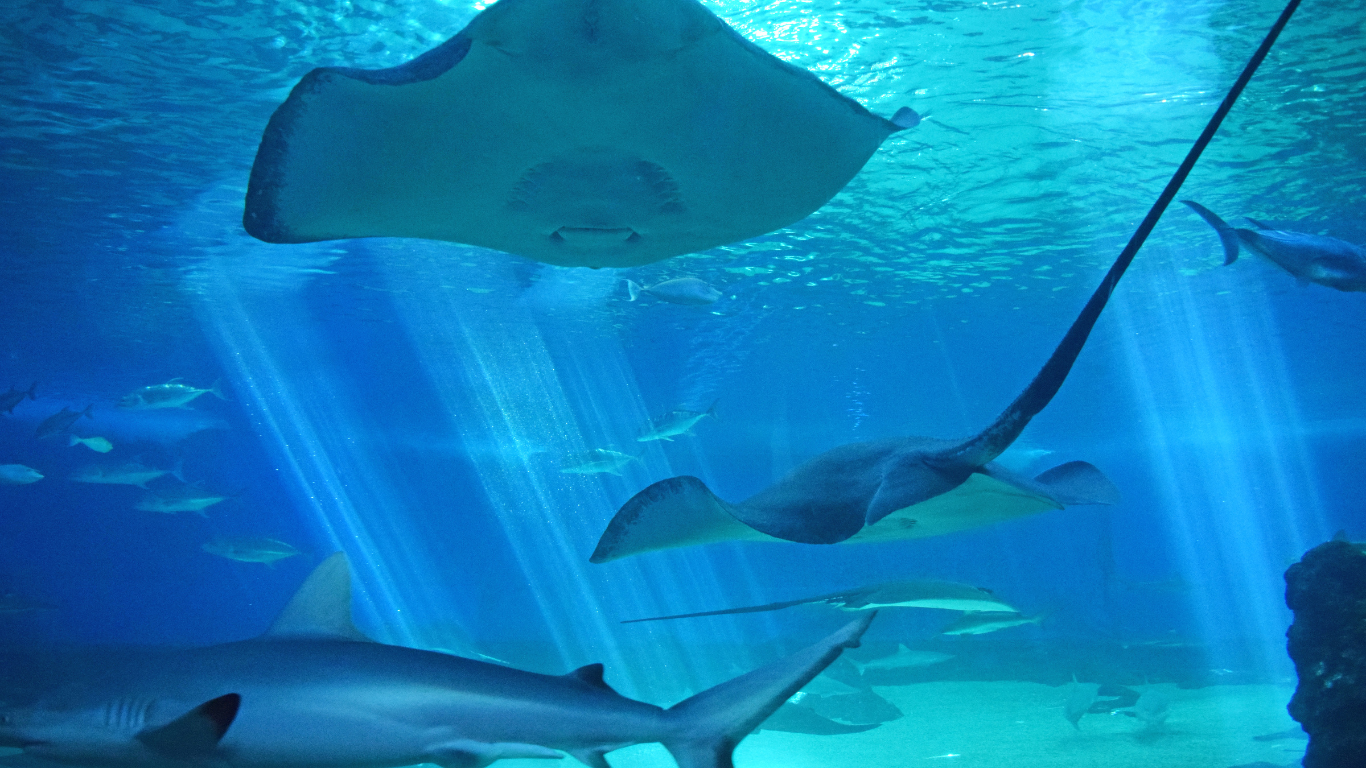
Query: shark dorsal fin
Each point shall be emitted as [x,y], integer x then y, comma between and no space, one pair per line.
[197,732]
[592,675]
[321,609]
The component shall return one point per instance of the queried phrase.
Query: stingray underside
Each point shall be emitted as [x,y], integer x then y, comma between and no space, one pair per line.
[677,512]
[574,132]
[992,495]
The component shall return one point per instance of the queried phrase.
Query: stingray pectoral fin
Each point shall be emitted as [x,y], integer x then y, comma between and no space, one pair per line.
[908,480]
[677,512]
[1078,482]
[1227,235]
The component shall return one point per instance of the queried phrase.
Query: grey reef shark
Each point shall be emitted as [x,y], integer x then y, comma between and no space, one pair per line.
[1310,258]
[314,692]
[907,487]
[582,133]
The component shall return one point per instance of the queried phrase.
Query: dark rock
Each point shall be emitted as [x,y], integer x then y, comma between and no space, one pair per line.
[1327,642]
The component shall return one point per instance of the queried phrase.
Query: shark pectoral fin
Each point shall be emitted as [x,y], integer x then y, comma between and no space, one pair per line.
[321,609]
[196,732]
[1078,482]
[908,480]
[675,512]
[467,753]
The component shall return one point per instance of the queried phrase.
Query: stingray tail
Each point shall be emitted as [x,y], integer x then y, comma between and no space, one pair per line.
[632,290]
[977,451]
[1227,235]
[704,730]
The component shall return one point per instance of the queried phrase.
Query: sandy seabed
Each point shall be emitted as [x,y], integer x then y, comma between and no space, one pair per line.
[1021,725]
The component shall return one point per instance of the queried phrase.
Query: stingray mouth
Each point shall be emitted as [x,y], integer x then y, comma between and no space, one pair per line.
[595,237]
[595,198]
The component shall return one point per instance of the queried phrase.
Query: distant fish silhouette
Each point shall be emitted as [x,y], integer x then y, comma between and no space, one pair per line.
[596,462]
[920,593]
[683,290]
[798,716]
[674,423]
[18,474]
[61,421]
[992,621]
[257,549]
[8,400]
[1310,258]
[172,394]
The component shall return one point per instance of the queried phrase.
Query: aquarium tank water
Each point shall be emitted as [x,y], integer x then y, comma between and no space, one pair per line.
[518,457]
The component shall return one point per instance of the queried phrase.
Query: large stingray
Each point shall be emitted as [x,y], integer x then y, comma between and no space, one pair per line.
[600,133]
[914,486]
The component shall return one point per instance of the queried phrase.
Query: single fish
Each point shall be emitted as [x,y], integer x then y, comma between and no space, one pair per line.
[858,708]
[1318,259]
[905,658]
[683,290]
[597,461]
[674,423]
[61,421]
[97,444]
[18,474]
[1080,697]
[187,499]
[251,550]
[917,593]
[989,621]
[1152,707]
[10,399]
[132,473]
[314,691]
[796,715]
[172,394]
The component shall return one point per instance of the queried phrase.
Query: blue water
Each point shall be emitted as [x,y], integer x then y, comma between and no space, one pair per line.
[411,402]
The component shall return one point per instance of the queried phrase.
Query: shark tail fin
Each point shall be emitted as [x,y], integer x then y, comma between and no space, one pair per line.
[87,412]
[705,729]
[32,391]
[632,290]
[217,389]
[1227,235]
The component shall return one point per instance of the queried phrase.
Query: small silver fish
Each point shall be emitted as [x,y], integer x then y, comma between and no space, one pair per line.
[18,474]
[683,290]
[674,423]
[597,461]
[251,550]
[96,443]
[172,394]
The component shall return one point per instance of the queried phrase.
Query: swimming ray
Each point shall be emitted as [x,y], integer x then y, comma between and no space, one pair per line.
[914,486]
[600,133]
